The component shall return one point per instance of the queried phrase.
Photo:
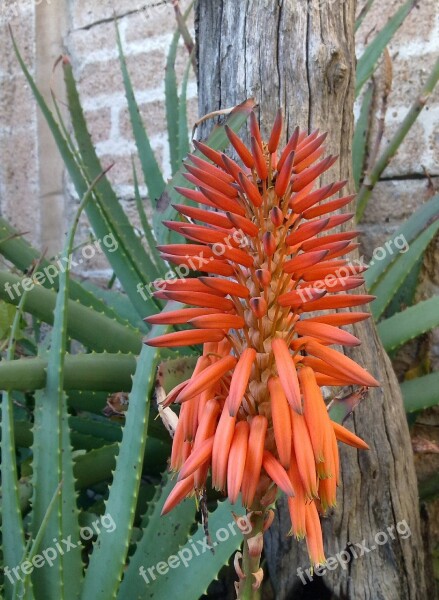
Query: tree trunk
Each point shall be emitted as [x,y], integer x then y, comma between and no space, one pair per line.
[299,54]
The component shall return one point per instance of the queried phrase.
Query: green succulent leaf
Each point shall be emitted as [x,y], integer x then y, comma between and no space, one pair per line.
[397,273]
[424,216]
[111,548]
[96,372]
[169,534]
[359,142]
[420,393]
[94,330]
[409,323]
[195,569]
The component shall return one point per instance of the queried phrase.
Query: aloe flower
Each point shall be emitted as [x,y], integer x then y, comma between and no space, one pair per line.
[253,414]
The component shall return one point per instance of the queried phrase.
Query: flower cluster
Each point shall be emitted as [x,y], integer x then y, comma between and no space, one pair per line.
[252,414]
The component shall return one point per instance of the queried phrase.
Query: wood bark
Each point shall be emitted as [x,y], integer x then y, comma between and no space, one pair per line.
[300,55]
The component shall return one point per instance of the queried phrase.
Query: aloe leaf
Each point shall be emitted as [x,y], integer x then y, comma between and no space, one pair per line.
[121,304]
[183,129]
[217,140]
[104,429]
[52,464]
[98,465]
[359,142]
[367,62]
[13,539]
[39,537]
[151,171]
[424,216]
[98,213]
[169,534]
[130,261]
[147,230]
[195,569]
[172,102]
[397,273]
[420,393]
[408,324]
[99,372]
[21,254]
[107,561]
[94,330]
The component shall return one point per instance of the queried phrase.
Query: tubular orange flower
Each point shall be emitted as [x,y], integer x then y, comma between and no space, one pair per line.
[253,411]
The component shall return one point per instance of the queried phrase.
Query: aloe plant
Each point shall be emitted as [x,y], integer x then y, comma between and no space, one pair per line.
[70,465]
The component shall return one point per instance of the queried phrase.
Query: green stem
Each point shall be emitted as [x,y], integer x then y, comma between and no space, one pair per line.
[372,178]
[251,564]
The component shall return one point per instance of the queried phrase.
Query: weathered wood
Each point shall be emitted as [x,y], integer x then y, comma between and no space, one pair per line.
[299,54]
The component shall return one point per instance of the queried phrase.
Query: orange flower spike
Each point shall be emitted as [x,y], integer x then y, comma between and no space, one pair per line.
[209,152]
[328,493]
[260,164]
[226,286]
[323,209]
[281,421]
[180,491]
[177,317]
[241,149]
[200,381]
[291,146]
[221,448]
[342,363]
[177,448]
[198,457]
[277,473]
[314,410]
[186,338]
[207,421]
[225,321]
[287,373]
[254,129]
[241,413]
[237,459]
[240,379]
[273,142]
[189,419]
[253,463]
[297,504]
[283,178]
[326,469]
[314,538]
[250,190]
[259,307]
[326,333]
[207,216]
[304,454]
[347,437]
[241,223]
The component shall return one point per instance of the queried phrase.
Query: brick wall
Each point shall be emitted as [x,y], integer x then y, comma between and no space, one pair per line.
[87,33]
